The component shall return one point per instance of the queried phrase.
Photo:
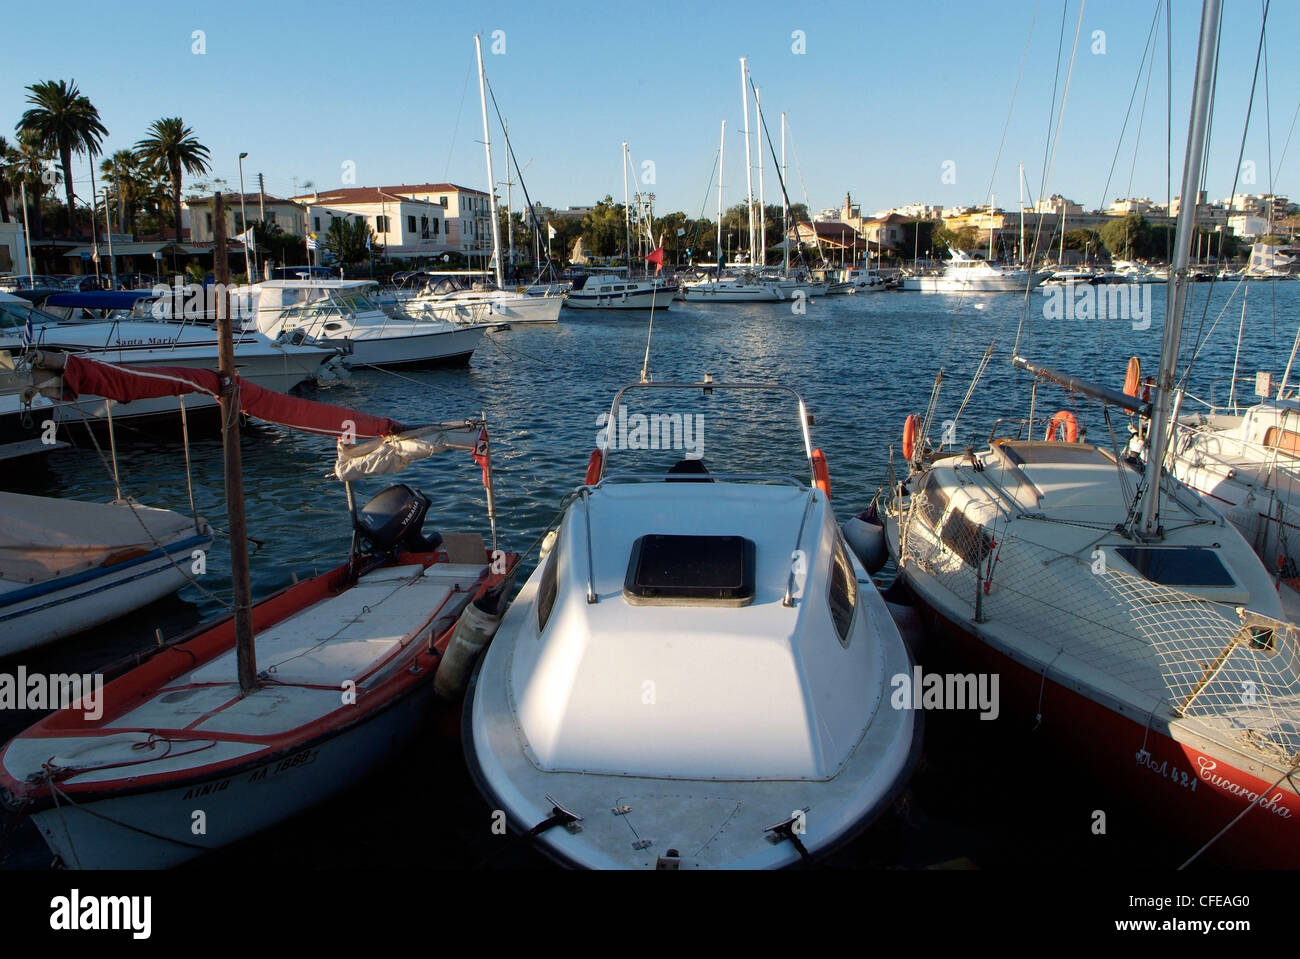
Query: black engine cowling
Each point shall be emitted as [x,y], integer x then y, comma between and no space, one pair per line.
[394,519]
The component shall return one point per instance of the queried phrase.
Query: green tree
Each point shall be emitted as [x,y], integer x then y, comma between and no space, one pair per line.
[173,145]
[1085,241]
[603,228]
[30,166]
[347,239]
[1128,237]
[65,121]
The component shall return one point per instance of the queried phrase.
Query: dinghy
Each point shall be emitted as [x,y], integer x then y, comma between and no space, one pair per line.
[67,565]
[697,675]
[216,737]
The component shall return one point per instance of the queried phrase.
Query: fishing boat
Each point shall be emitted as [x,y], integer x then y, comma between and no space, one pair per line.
[340,314]
[67,565]
[1132,626]
[258,715]
[964,273]
[697,675]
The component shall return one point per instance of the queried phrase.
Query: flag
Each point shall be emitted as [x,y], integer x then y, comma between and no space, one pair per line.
[367,241]
[246,238]
[29,335]
[481,455]
[550,231]
[311,241]
[657,258]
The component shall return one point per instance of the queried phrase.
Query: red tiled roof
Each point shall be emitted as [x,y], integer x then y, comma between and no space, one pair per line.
[377,194]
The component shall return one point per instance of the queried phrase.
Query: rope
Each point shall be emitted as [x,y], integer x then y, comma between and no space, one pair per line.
[1236,819]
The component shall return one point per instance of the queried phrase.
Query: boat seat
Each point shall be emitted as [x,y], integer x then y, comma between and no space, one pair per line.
[689,471]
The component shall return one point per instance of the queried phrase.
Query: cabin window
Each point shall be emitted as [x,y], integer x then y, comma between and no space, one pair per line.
[548,587]
[843,592]
[1282,440]
[1174,566]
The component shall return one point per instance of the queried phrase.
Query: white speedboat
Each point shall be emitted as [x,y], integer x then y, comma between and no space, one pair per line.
[969,274]
[340,314]
[608,291]
[854,279]
[151,344]
[698,673]
[67,565]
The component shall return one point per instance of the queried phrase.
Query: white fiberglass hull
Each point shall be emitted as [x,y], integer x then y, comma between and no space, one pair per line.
[410,346]
[729,293]
[660,299]
[948,284]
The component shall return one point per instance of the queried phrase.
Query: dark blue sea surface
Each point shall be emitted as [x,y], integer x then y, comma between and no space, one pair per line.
[992,798]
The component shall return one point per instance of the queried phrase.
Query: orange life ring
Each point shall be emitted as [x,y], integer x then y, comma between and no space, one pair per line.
[821,472]
[911,428]
[1133,376]
[595,465]
[1063,418]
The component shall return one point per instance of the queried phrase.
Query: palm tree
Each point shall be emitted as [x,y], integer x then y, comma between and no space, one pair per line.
[65,120]
[172,144]
[132,183]
[8,177]
[29,166]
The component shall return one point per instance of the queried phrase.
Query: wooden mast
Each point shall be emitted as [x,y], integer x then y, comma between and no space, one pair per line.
[245,654]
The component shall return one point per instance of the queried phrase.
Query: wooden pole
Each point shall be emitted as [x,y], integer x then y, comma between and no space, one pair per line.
[246,656]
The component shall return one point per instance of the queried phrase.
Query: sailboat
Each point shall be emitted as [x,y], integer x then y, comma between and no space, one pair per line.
[669,691]
[254,717]
[1130,623]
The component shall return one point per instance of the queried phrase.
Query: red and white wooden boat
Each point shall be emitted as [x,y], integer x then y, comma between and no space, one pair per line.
[180,761]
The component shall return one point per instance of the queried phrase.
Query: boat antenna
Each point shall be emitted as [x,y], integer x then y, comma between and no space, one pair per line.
[245,653]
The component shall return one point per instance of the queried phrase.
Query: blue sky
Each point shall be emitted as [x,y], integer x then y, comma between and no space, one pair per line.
[884,94]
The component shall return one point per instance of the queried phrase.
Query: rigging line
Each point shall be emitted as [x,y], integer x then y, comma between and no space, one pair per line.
[1006,124]
[446,172]
[1047,150]
[1241,152]
[510,149]
[1146,93]
[1282,159]
[1132,96]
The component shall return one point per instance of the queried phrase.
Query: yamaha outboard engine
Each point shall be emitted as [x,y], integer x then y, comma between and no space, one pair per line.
[393,520]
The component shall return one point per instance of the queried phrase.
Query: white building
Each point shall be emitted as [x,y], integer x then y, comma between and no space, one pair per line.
[13,249]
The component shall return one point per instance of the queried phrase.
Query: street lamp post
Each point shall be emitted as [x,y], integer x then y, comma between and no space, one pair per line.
[243,215]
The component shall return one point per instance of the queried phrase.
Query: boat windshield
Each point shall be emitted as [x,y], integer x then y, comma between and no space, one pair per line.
[15,313]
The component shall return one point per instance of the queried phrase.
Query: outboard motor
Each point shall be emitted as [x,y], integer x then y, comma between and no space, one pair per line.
[393,520]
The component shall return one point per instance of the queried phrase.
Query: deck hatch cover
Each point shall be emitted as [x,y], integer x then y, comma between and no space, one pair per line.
[1178,566]
[681,570]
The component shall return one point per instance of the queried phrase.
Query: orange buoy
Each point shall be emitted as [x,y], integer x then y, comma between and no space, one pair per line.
[1063,418]
[911,428]
[821,472]
[595,466]
[1133,376]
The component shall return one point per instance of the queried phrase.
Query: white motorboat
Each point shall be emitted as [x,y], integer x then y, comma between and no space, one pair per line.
[855,279]
[1132,271]
[731,288]
[145,344]
[610,291]
[67,565]
[698,672]
[970,274]
[340,314]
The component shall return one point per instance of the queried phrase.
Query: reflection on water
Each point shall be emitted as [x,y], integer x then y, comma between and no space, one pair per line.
[862,363]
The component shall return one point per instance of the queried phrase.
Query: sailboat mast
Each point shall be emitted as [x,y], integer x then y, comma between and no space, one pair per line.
[749,163]
[487,148]
[245,654]
[510,205]
[993,202]
[762,195]
[785,201]
[1163,398]
[627,216]
[722,146]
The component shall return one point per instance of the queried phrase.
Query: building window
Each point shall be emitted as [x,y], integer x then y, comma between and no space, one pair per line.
[436,227]
[424,227]
[410,224]
[316,221]
[443,200]
[209,221]
[381,224]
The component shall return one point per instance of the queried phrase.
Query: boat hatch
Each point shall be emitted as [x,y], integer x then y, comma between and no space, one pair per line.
[680,570]
[1189,566]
